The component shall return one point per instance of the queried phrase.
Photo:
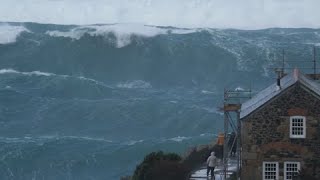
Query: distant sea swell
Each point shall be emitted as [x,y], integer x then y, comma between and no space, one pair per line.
[88,102]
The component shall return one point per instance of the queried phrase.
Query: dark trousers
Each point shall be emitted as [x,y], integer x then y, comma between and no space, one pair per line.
[210,169]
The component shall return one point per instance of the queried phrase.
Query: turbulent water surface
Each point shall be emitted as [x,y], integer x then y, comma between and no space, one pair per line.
[88,102]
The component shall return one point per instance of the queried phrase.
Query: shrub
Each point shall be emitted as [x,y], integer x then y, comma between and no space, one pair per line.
[159,166]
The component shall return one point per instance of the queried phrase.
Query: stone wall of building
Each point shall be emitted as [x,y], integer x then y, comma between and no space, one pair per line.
[266,133]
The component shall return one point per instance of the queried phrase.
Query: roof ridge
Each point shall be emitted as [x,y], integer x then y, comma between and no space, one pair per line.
[273,90]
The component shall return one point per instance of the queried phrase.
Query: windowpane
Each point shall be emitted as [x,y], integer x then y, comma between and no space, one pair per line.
[291,169]
[297,127]
[270,170]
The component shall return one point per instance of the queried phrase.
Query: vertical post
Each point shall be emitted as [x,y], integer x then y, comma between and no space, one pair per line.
[314,63]
[225,144]
[282,72]
[239,146]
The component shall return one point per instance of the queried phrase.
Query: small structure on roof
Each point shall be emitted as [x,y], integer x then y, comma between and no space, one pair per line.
[280,130]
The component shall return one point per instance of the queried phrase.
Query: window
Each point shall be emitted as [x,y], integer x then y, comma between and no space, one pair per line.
[270,170]
[291,169]
[297,127]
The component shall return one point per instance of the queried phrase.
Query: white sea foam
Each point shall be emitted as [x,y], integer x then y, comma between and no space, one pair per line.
[47,74]
[207,92]
[208,109]
[239,89]
[133,142]
[207,134]
[174,102]
[137,84]
[314,44]
[9,33]
[122,32]
[179,138]
[213,110]
[73,33]
[86,138]
[36,73]
[28,139]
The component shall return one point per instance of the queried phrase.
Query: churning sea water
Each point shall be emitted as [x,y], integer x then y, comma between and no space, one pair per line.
[89,102]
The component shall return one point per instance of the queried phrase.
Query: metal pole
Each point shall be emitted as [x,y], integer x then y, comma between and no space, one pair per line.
[239,146]
[225,145]
[282,63]
[314,63]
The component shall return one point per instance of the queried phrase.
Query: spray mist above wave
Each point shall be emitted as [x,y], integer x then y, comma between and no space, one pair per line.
[122,32]
[249,14]
[9,33]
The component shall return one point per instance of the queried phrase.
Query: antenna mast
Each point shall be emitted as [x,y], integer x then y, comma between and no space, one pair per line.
[314,62]
[282,61]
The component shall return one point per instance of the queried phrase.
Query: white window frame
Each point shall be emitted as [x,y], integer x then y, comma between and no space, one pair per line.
[266,171]
[285,168]
[303,126]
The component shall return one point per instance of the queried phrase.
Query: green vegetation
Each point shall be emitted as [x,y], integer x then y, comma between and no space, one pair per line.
[159,166]
[170,166]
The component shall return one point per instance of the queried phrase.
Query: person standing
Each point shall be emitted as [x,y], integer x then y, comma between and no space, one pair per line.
[211,164]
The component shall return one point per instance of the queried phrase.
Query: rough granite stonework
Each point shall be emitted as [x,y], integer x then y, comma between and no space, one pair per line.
[265,133]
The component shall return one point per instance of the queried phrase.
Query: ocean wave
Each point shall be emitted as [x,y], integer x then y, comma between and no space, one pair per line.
[179,138]
[314,44]
[41,139]
[36,73]
[174,102]
[239,89]
[47,74]
[212,110]
[122,32]
[9,33]
[137,84]
[206,92]
[133,142]
[208,109]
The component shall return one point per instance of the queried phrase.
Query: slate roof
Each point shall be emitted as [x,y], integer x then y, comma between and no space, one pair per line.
[267,94]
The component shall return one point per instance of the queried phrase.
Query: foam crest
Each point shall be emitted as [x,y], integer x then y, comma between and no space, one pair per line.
[36,73]
[138,84]
[9,33]
[122,32]
[179,138]
[133,142]
[47,74]
[28,139]
[207,92]
[73,33]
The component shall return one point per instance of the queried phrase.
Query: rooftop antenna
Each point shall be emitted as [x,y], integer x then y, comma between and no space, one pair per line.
[282,62]
[280,71]
[314,63]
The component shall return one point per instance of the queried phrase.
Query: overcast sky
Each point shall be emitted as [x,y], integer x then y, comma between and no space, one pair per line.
[243,14]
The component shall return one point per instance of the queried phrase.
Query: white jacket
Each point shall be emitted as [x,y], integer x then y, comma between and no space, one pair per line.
[212,160]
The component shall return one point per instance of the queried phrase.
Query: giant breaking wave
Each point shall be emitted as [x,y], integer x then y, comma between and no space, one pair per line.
[88,102]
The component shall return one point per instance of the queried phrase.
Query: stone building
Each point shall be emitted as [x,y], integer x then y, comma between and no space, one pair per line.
[280,130]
